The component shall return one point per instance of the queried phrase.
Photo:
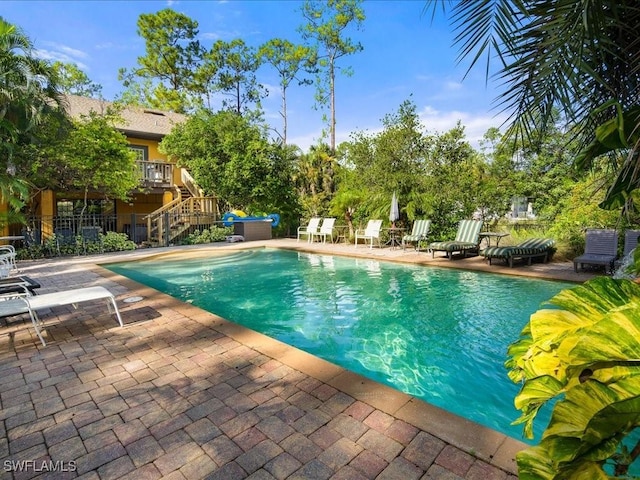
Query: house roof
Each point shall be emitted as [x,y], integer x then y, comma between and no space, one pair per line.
[137,121]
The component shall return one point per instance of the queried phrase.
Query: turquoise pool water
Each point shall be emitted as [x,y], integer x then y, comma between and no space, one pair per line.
[438,334]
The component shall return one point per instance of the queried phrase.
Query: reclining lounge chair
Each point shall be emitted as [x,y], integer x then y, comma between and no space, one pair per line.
[529,249]
[418,234]
[601,248]
[16,305]
[467,240]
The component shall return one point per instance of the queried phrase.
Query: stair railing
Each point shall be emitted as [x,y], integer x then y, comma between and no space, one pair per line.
[190,183]
[161,223]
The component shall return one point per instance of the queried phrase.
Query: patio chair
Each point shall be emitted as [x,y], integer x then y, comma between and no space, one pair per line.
[6,264]
[326,229]
[13,304]
[32,237]
[309,229]
[371,233]
[8,254]
[66,241]
[601,248]
[630,241]
[418,234]
[91,238]
[467,240]
[529,249]
[18,285]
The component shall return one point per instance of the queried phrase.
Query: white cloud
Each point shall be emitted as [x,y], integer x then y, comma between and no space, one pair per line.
[450,86]
[65,50]
[475,125]
[61,57]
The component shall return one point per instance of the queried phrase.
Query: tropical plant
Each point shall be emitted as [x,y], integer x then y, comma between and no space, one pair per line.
[579,58]
[28,91]
[582,354]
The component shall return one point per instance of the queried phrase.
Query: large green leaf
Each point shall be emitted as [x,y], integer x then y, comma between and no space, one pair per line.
[533,395]
[616,337]
[615,134]
[585,354]
[597,297]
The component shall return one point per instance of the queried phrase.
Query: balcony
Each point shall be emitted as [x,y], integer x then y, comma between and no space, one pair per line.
[155,174]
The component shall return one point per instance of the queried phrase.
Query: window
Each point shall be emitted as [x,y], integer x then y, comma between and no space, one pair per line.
[141,151]
[70,207]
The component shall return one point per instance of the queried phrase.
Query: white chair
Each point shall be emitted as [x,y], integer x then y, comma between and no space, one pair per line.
[19,304]
[325,229]
[371,232]
[309,229]
[7,264]
[10,252]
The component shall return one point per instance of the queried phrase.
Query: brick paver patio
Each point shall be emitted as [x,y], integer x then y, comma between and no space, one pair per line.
[179,393]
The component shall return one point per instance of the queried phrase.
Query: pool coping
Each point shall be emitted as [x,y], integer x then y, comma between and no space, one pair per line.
[482,442]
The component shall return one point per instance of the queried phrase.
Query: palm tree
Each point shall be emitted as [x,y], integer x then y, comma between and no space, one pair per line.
[581,58]
[28,90]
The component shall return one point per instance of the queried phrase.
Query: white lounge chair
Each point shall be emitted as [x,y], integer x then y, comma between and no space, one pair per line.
[7,258]
[16,305]
[371,232]
[326,229]
[309,229]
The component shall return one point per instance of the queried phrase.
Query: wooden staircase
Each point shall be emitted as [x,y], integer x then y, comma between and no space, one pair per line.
[189,209]
[171,221]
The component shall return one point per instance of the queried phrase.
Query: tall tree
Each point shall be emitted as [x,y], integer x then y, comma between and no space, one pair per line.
[28,93]
[96,158]
[327,24]
[230,157]
[289,60]
[74,81]
[233,67]
[172,53]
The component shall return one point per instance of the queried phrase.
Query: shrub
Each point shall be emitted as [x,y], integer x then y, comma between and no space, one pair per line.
[117,242]
[214,234]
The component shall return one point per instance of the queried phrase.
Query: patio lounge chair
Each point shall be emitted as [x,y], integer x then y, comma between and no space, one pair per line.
[326,229]
[309,229]
[371,232]
[529,249]
[467,240]
[16,305]
[7,262]
[630,241]
[418,234]
[91,239]
[601,248]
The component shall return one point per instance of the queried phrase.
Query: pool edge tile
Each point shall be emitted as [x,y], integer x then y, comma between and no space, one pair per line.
[378,395]
[469,436]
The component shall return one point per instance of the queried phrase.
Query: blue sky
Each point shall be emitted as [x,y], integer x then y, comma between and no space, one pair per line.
[406,56]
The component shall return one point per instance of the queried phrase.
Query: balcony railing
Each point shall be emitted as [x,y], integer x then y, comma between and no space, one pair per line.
[157,174]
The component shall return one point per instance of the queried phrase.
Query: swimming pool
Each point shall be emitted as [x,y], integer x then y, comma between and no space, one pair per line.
[438,334]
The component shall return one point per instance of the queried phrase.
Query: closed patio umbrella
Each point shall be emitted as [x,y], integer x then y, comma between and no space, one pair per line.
[394,213]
